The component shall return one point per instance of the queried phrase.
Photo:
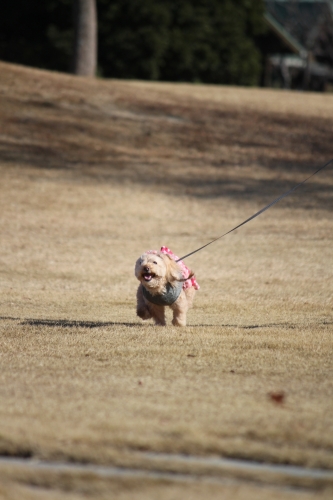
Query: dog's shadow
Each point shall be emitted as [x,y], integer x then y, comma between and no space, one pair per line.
[65,323]
[76,323]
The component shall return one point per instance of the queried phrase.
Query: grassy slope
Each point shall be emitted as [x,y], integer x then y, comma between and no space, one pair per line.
[95,172]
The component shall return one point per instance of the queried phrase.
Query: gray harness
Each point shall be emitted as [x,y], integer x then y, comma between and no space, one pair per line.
[167,298]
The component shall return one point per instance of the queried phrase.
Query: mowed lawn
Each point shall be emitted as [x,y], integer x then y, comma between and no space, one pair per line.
[95,172]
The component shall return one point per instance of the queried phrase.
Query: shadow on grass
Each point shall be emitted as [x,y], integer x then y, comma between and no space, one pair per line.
[98,324]
[74,324]
[199,158]
[65,323]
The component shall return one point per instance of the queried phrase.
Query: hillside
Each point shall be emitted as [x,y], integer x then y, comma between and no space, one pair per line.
[93,173]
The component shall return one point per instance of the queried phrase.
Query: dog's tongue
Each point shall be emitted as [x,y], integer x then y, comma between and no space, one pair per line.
[147,277]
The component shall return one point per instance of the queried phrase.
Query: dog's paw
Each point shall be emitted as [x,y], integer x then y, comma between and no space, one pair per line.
[160,322]
[143,313]
[178,322]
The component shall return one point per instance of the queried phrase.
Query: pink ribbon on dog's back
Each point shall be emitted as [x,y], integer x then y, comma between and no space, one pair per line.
[184,269]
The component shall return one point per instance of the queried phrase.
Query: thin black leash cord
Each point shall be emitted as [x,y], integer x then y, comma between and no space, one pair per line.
[260,211]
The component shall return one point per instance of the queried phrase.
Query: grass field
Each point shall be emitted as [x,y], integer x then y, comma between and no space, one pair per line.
[95,172]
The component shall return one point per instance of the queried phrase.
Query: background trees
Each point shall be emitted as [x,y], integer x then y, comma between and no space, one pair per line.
[85,38]
[37,33]
[209,41]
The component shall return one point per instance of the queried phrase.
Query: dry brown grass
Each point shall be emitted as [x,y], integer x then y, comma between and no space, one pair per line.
[95,172]
[86,488]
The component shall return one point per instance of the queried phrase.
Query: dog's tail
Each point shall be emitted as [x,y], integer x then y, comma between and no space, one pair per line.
[188,278]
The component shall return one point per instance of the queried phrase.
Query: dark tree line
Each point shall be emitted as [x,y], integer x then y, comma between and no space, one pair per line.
[212,41]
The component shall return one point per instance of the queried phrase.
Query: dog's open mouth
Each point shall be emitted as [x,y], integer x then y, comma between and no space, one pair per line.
[148,276]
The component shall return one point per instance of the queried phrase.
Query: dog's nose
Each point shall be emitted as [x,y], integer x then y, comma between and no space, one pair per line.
[146,268]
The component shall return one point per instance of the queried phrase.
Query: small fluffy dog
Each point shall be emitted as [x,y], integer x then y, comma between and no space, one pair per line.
[164,282]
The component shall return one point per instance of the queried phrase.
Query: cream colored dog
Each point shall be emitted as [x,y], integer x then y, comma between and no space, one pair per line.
[163,283]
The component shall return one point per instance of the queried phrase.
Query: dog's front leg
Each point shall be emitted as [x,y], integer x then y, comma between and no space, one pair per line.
[142,309]
[180,308]
[158,313]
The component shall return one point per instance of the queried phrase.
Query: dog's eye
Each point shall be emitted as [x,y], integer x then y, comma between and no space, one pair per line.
[155,262]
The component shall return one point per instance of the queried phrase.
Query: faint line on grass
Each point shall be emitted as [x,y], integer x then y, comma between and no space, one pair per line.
[226,464]
[225,471]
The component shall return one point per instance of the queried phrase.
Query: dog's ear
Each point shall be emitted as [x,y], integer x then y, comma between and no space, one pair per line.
[173,273]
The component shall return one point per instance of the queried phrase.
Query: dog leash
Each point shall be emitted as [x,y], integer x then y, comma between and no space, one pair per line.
[259,212]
